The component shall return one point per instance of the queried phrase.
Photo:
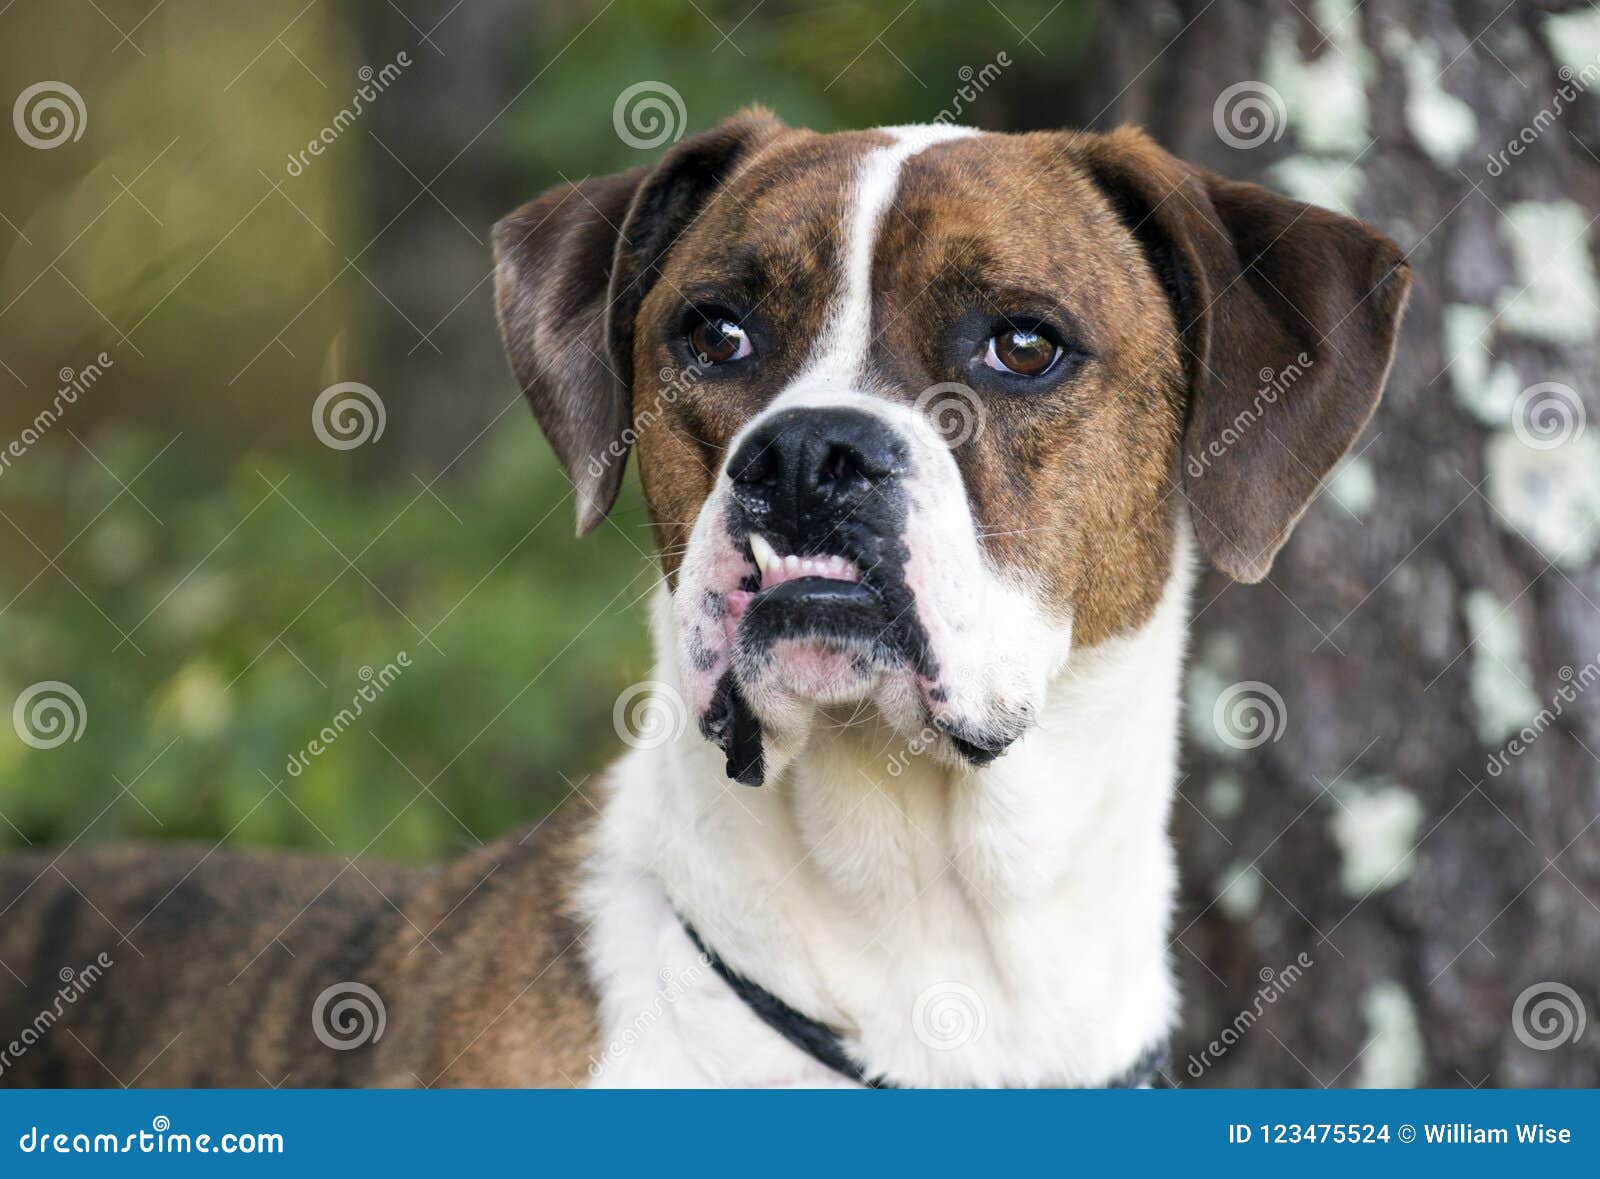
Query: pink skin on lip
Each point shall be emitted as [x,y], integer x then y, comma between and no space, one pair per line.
[918,575]
[738,603]
[705,627]
[813,669]
[806,668]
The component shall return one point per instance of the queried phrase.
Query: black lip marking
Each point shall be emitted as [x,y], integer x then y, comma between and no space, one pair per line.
[731,725]
[813,607]
[701,657]
[978,749]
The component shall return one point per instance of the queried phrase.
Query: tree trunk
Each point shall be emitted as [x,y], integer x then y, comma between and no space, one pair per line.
[436,354]
[1423,825]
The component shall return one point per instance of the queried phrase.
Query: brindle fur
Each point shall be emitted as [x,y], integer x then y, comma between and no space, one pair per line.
[478,965]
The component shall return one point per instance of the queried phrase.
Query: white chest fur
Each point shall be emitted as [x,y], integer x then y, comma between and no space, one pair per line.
[1005,926]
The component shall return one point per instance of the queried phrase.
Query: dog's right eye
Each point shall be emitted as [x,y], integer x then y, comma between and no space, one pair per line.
[718,340]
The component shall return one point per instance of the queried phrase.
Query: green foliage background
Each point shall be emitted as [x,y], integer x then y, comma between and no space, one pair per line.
[181,550]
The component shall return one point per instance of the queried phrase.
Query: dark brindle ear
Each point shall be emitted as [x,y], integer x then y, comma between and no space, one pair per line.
[1288,315]
[572,268]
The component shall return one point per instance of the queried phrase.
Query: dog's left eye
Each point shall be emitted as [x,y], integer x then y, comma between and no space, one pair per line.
[718,340]
[1023,352]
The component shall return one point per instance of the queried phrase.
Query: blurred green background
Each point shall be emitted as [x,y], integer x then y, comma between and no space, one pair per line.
[182,550]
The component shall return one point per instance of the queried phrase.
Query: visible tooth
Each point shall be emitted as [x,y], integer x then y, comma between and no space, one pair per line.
[766,557]
[791,564]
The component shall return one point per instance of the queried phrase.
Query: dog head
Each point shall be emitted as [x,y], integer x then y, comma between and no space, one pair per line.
[918,411]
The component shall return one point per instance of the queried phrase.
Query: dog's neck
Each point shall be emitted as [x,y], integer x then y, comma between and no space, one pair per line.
[962,928]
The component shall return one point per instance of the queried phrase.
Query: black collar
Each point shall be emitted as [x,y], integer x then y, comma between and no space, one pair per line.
[824,1044]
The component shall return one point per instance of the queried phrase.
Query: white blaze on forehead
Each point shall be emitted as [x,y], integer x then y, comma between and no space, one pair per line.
[842,345]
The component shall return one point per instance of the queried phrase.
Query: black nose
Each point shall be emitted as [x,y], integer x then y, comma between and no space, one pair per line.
[802,463]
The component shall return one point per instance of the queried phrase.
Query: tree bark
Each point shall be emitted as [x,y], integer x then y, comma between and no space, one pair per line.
[1441,594]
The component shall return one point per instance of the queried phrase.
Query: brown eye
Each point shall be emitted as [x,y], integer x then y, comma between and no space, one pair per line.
[718,341]
[1028,354]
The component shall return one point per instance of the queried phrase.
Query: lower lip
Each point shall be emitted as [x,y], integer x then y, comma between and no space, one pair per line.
[807,606]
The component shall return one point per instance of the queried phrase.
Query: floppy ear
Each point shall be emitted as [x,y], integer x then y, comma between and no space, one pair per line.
[1288,315]
[572,268]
